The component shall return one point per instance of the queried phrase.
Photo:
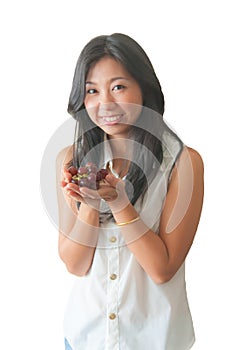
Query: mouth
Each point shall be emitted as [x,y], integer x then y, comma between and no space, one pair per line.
[111,120]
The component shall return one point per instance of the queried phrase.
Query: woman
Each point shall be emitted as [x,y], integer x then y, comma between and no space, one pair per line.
[127,240]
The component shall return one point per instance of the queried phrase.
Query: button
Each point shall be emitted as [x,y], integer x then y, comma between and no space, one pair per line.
[112,316]
[112,239]
[113,276]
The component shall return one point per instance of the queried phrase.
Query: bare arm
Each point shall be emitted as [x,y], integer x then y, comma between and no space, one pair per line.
[78,230]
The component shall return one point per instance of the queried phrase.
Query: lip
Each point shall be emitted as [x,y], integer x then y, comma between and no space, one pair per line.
[111,119]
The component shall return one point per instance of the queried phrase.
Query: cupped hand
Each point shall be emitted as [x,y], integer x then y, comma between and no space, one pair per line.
[73,191]
[112,190]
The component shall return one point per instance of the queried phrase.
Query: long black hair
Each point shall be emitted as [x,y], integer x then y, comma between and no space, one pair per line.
[149,127]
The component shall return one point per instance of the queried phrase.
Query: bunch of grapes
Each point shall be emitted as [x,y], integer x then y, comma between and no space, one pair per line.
[88,175]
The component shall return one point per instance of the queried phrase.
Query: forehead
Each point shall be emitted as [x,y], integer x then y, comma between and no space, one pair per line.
[107,67]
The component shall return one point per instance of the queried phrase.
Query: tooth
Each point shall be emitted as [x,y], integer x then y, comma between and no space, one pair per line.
[112,119]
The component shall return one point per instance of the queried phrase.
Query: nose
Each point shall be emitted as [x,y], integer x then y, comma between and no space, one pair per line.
[106,102]
[105,96]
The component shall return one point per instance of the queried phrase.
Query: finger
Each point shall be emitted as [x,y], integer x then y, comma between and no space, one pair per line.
[73,187]
[118,184]
[87,192]
[74,196]
[67,175]
[112,180]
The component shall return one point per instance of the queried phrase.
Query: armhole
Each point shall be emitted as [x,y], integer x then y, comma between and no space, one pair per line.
[175,162]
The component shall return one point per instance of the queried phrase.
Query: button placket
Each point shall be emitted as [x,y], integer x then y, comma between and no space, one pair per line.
[112,299]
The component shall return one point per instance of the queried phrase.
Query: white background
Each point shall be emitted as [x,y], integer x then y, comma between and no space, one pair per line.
[190,46]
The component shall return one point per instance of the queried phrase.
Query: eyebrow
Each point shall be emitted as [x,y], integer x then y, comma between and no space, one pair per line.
[111,80]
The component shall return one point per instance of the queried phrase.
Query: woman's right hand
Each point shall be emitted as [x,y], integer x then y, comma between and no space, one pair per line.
[72,190]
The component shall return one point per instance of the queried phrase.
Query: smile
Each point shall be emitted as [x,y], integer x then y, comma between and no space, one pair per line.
[111,120]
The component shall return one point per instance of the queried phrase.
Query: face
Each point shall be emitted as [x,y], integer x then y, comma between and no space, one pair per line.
[113,97]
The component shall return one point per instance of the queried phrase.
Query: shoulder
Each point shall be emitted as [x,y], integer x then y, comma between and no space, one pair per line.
[188,172]
[195,156]
[189,157]
[64,156]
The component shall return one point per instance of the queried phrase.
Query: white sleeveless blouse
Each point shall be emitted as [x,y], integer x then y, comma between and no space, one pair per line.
[117,306]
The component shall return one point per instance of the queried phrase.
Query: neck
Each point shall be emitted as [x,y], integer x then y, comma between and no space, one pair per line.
[121,147]
[119,167]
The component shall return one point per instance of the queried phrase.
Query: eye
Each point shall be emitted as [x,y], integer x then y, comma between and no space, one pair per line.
[118,87]
[91,91]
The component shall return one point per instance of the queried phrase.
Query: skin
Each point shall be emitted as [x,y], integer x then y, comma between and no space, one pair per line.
[112,93]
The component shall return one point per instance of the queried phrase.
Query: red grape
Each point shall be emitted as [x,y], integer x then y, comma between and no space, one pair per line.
[91,177]
[98,176]
[91,168]
[72,170]
[104,173]
[88,175]
[75,181]
[83,182]
[82,170]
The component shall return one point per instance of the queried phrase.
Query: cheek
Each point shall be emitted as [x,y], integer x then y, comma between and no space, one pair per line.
[92,114]
[88,103]
[133,110]
[135,97]
[134,105]
[91,108]
[138,98]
